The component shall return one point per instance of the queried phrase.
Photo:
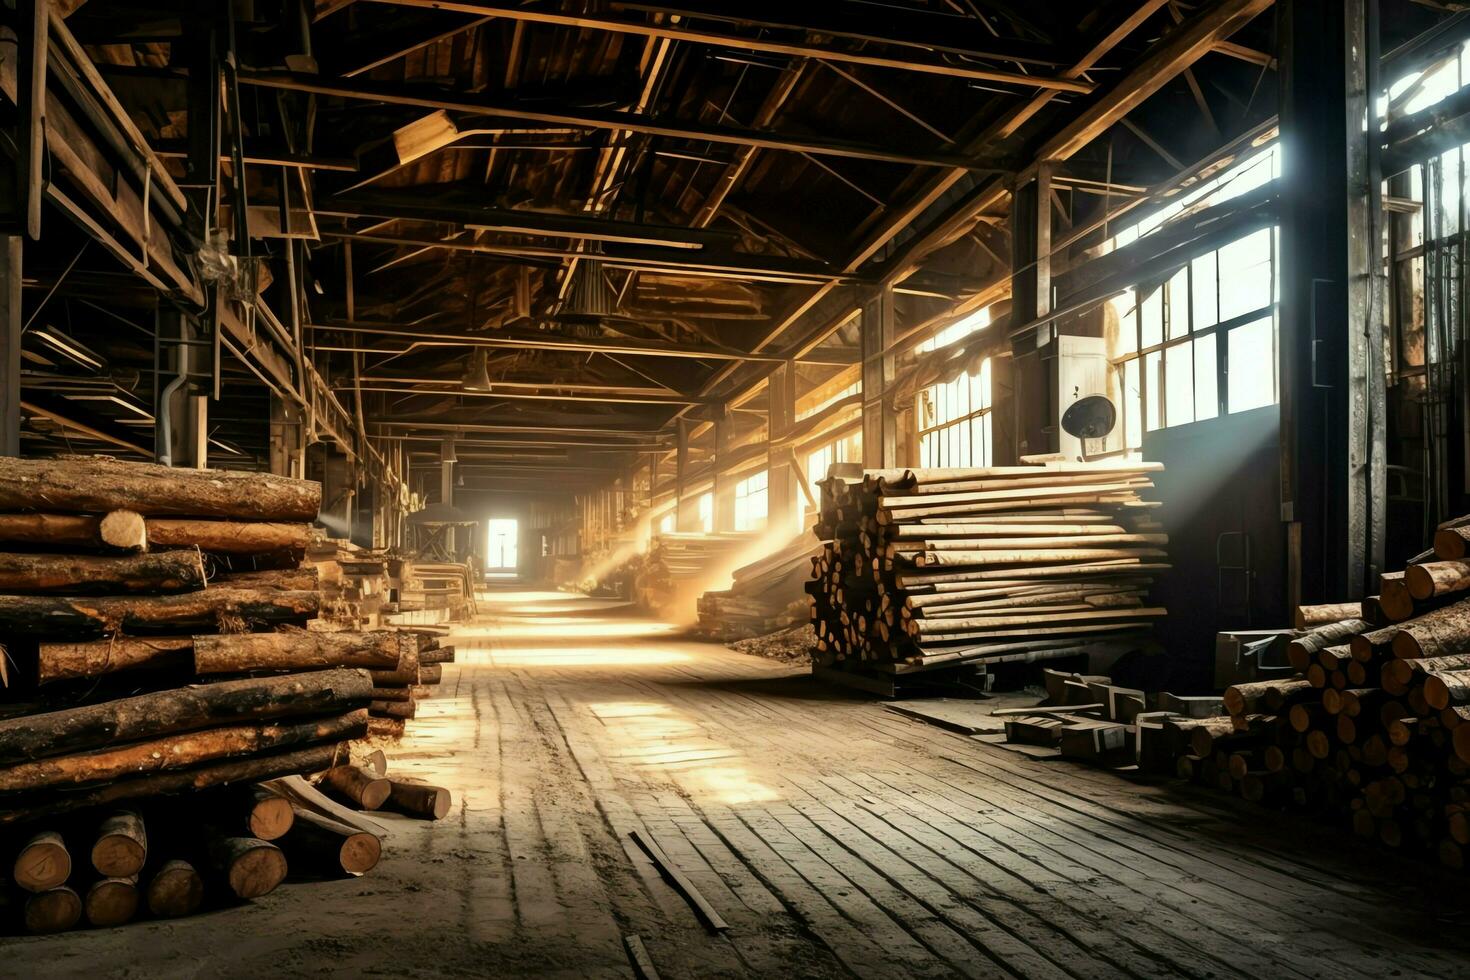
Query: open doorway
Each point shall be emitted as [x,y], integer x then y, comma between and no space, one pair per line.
[501,547]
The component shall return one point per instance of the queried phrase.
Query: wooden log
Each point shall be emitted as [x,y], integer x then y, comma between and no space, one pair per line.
[184,709]
[268,814]
[98,485]
[251,769]
[121,847]
[121,530]
[1440,633]
[229,537]
[173,752]
[1395,601]
[43,863]
[1451,543]
[208,610]
[431,674]
[1268,695]
[303,579]
[1301,651]
[61,661]
[440,655]
[1398,675]
[393,709]
[54,910]
[111,901]
[1321,615]
[1432,579]
[392,694]
[249,866]
[386,727]
[22,573]
[236,653]
[1204,732]
[363,789]
[324,845]
[968,559]
[175,890]
[1443,688]
[419,799]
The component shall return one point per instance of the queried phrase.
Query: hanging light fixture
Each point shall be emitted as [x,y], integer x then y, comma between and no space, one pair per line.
[477,371]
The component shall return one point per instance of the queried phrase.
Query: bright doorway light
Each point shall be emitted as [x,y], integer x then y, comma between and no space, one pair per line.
[503,535]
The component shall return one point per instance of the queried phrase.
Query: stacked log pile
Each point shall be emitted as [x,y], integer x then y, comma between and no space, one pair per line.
[354,584]
[766,596]
[923,568]
[677,563]
[1368,729]
[133,674]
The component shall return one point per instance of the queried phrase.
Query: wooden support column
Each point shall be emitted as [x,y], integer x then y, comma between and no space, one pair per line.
[1330,405]
[1025,413]
[287,456]
[31,31]
[880,427]
[448,456]
[683,519]
[724,515]
[783,477]
[10,331]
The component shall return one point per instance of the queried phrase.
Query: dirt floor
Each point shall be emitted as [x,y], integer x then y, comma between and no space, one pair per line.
[835,837]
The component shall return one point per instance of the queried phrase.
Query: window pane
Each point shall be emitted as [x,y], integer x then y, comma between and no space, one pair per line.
[1204,292]
[1151,317]
[1132,405]
[1179,384]
[1176,304]
[1251,382]
[1206,380]
[1245,275]
[1153,387]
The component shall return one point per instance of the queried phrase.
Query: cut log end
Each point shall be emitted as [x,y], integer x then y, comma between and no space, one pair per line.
[360,853]
[254,867]
[121,847]
[419,800]
[43,863]
[53,910]
[125,530]
[176,890]
[270,818]
[111,901]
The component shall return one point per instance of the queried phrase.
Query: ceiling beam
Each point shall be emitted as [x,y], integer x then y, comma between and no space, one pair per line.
[435,97]
[422,338]
[498,392]
[914,60]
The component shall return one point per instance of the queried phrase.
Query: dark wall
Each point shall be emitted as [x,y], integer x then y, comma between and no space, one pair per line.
[1221,508]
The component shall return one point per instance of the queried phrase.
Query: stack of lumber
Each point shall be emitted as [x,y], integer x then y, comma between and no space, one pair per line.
[446,588]
[354,583]
[676,563]
[765,596]
[931,567]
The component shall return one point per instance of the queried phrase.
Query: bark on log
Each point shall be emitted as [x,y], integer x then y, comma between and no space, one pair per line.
[283,579]
[174,752]
[111,901]
[420,800]
[176,890]
[1310,616]
[396,678]
[121,847]
[1398,675]
[1441,633]
[1268,695]
[966,559]
[43,863]
[1395,601]
[363,789]
[54,910]
[37,574]
[392,694]
[236,653]
[1304,649]
[431,674]
[1443,688]
[95,658]
[252,769]
[98,485]
[211,609]
[439,655]
[1437,578]
[330,846]
[251,867]
[229,537]
[386,727]
[184,709]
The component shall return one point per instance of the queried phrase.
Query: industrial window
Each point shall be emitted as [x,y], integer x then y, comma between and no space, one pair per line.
[668,524]
[963,327]
[1200,344]
[954,421]
[707,512]
[750,502]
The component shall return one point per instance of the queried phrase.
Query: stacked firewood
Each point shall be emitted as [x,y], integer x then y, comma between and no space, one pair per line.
[765,596]
[165,859]
[951,566]
[1375,726]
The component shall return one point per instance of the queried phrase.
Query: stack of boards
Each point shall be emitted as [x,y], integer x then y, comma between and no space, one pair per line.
[941,567]
[765,596]
[676,562]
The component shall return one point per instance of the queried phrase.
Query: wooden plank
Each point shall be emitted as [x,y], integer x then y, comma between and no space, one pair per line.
[706,912]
